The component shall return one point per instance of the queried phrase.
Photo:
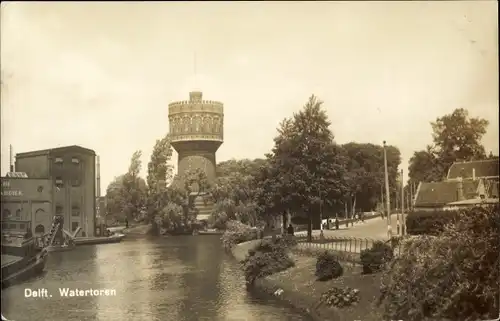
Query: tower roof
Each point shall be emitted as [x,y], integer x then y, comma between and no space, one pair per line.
[195,96]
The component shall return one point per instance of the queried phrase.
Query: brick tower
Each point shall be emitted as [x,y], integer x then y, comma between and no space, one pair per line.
[196,130]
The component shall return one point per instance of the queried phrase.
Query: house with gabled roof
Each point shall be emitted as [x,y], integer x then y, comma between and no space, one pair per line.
[484,169]
[467,184]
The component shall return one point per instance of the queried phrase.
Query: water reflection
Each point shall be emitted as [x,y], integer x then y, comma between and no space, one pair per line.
[179,278]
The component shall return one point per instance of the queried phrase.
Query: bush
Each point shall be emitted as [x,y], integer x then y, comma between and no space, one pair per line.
[267,257]
[375,258]
[328,267]
[340,298]
[429,222]
[237,232]
[452,276]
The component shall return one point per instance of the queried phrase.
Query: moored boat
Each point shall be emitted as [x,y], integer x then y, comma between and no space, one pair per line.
[114,238]
[61,248]
[20,257]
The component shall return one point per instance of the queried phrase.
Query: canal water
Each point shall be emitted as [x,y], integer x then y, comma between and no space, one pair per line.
[187,278]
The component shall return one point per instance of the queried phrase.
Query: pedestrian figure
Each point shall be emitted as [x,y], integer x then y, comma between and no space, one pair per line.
[290,230]
[336,223]
[126,223]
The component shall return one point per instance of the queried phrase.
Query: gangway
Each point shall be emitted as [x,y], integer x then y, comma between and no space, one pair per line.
[56,226]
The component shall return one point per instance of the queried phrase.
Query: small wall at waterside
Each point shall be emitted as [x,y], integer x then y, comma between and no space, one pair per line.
[269,287]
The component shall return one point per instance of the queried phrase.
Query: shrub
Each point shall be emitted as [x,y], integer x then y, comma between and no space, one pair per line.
[429,222]
[267,257]
[375,258]
[237,232]
[340,298]
[452,276]
[328,267]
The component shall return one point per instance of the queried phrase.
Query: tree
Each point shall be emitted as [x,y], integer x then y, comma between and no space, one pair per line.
[134,188]
[274,190]
[126,194]
[242,166]
[452,276]
[114,199]
[456,137]
[160,174]
[425,166]
[365,177]
[235,191]
[307,165]
[491,156]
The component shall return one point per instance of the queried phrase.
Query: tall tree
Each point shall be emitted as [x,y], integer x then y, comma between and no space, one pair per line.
[126,194]
[114,199]
[308,164]
[241,166]
[235,191]
[425,166]
[160,175]
[365,166]
[134,188]
[273,189]
[456,137]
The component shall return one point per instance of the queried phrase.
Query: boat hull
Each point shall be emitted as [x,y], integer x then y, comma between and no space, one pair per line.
[32,267]
[99,240]
[58,248]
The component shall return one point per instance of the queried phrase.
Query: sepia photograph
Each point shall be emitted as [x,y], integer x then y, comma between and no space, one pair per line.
[250,161]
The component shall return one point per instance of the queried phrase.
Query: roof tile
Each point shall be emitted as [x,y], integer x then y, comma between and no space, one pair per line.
[483,168]
[441,193]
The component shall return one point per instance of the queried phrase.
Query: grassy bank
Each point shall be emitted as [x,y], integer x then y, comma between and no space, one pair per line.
[297,286]
[300,282]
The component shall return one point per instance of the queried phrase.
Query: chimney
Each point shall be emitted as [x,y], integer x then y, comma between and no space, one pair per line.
[98,180]
[473,174]
[460,190]
[12,169]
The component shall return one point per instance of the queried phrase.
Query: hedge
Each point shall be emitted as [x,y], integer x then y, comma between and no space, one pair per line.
[452,276]
[429,222]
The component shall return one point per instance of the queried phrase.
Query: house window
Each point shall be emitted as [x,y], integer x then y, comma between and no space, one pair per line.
[40,229]
[74,226]
[58,160]
[18,214]
[40,189]
[6,214]
[75,211]
[59,181]
[75,160]
[59,209]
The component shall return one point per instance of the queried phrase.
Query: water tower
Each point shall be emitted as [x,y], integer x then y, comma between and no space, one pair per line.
[196,130]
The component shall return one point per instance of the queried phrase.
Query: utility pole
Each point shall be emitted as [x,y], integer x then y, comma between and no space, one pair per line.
[403,226]
[321,235]
[382,199]
[387,196]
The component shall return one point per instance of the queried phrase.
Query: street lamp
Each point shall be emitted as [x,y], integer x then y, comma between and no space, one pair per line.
[387,196]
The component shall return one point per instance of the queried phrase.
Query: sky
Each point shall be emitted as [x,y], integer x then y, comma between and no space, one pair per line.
[101,75]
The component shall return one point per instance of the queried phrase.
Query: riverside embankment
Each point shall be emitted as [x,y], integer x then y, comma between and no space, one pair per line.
[298,287]
[277,288]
